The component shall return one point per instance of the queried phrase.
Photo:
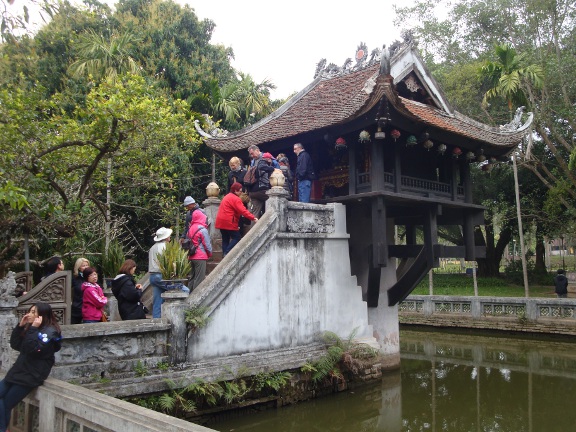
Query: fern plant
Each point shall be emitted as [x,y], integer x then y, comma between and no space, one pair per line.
[112,259]
[196,317]
[173,262]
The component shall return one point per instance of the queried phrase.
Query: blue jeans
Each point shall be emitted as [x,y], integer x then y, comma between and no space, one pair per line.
[229,240]
[159,288]
[304,188]
[10,395]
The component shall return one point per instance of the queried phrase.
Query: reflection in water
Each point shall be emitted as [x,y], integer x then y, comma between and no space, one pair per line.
[451,383]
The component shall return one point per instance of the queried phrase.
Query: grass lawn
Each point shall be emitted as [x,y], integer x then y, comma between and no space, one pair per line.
[462,285]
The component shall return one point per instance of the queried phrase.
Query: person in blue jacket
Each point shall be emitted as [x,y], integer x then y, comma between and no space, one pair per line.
[37,337]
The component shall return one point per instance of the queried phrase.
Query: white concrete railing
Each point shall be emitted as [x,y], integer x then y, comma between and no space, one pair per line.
[532,309]
[58,406]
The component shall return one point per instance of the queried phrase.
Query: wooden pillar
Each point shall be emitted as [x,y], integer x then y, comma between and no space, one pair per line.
[454,179]
[379,237]
[352,171]
[410,235]
[468,234]
[431,235]
[377,170]
[397,169]
[467,182]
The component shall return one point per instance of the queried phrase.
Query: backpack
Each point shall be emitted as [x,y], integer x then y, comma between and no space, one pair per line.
[251,176]
[189,244]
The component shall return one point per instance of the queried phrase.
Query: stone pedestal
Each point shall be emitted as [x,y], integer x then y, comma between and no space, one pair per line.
[8,320]
[277,202]
[173,309]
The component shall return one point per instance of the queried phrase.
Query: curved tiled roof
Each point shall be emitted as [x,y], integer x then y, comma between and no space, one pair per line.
[328,102]
[456,123]
[325,102]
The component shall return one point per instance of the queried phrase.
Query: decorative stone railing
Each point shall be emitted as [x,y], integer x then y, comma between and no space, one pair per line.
[58,406]
[512,313]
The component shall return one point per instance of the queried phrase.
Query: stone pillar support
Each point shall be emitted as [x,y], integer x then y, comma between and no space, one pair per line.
[278,202]
[173,309]
[8,320]
[211,206]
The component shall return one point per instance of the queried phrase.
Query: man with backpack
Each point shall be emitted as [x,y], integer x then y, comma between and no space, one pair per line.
[561,284]
[257,180]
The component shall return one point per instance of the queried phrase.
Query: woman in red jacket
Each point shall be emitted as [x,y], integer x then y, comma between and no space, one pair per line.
[231,208]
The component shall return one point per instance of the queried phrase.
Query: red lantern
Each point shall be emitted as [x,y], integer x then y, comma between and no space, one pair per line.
[456,152]
[395,134]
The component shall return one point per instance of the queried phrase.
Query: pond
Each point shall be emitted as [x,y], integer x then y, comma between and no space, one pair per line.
[451,382]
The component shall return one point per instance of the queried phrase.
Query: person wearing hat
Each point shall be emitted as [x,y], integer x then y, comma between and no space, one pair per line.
[228,217]
[257,191]
[271,159]
[161,238]
[191,206]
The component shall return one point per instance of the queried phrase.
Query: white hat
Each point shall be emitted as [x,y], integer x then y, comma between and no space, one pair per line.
[162,234]
[188,200]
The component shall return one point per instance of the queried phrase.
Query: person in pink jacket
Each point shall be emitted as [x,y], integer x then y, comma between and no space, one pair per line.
[93,300]
[231,208]
[199,236]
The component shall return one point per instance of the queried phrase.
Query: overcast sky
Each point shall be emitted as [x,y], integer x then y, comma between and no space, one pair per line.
[283,41]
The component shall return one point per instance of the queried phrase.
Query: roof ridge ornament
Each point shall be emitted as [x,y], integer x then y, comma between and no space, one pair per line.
[515,123]
[213,130]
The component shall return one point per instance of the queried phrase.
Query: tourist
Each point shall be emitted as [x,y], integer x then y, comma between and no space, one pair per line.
[561,284]
[128,292]
[191,206]
[199,236]
[53,265]
[77,295]
[93,299]
[37,337]
[161,238]
[289,179]
[304,173]
[257,191]
[236,173]
[228,217]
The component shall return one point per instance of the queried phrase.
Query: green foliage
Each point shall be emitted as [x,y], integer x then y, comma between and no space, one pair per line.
[173,261]
[112,259]
[163,366]
[140,369]
[341,355]
[272,380]
[196,317]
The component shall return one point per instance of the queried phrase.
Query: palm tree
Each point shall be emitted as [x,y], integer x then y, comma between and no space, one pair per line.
[103,58]
[509,76]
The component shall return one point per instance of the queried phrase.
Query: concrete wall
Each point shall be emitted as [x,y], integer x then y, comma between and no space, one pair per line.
[285,283]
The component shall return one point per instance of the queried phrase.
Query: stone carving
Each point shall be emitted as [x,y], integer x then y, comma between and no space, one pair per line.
[362,60]
[515,123]
[213,130]
[310,222]
[8,286]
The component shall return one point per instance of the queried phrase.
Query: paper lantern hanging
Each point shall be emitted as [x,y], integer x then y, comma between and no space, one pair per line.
[428,144]
[493,160]
[340,144]
[441,148]
[364,136]
[481,158]
[470,156]
[411,141]
[487,167]
[456,152]
[395,134]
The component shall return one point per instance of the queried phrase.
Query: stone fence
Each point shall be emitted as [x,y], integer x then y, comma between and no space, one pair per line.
[58,406]
[530,315]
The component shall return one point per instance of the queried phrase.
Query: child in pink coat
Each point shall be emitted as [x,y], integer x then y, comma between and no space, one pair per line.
[93,300]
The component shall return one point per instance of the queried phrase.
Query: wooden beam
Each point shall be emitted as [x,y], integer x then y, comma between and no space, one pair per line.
[431,236]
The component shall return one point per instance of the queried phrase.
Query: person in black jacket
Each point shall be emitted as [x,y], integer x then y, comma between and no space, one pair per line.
[37,337]
[561,284]
[128,292]
[77,294]
[304,173]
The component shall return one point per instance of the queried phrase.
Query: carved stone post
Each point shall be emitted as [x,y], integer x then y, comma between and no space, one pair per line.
[8,320]
[173,309]
[278,202]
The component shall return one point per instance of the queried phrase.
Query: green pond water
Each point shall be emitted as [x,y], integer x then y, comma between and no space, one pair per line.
[447,382]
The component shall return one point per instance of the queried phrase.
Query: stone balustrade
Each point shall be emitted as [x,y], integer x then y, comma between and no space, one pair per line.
[58,406]
[537,315]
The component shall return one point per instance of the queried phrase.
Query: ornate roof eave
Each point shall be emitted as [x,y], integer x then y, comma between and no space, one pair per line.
[365,98]
[504,138]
